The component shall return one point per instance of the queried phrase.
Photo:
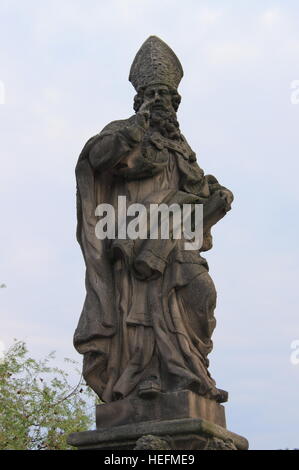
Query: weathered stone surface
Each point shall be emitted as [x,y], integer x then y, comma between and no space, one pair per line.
[181,434]
[153,443]
[163,406]
[219,444]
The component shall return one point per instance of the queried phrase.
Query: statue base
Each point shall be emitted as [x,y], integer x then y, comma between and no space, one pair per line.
[168,421]
[176,434]
[161,407]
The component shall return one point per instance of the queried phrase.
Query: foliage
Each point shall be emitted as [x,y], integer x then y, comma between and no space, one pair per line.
[39,408]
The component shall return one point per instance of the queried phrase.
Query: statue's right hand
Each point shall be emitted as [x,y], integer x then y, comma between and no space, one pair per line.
[143,115]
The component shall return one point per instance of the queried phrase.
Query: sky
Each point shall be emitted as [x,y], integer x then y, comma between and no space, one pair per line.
[64,67]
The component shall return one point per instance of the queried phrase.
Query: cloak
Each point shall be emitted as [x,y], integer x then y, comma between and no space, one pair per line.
[138,323]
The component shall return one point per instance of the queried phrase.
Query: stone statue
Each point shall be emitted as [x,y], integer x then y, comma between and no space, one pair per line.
[148,317]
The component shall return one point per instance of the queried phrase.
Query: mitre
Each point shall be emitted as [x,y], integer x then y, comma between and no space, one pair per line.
[154,63]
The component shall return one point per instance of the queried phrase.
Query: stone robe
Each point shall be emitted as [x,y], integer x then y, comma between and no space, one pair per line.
[137,325]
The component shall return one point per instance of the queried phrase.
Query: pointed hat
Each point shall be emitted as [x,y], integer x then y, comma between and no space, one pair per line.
[154,63]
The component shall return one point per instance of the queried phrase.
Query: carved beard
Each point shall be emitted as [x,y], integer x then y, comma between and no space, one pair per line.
[165,121]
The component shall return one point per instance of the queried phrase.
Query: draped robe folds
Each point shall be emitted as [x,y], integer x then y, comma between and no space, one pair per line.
[135,326]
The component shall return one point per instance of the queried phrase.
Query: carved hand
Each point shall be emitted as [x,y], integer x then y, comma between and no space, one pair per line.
[216,207]
[143,115]
[226,196]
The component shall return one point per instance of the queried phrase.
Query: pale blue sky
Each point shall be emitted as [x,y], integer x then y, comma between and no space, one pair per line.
[65,66]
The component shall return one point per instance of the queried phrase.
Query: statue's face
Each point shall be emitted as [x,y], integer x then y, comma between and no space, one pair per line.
[159,96]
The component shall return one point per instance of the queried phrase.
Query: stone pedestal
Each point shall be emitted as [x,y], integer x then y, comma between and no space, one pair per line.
[176,434]
[162,407]
[170,421]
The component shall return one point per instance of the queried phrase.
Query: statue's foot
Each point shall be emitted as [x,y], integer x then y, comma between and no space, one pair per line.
[222,396]
[217,394]
[149,388]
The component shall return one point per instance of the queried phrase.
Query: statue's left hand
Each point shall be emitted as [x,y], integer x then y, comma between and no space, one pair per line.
[218,204]
[227,197]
